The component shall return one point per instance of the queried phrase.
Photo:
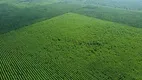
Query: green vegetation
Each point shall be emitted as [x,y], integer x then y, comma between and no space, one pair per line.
[132,18]
[13,17]
[28,3]
[16,14]
[123,4]
[70,40]
[72,47]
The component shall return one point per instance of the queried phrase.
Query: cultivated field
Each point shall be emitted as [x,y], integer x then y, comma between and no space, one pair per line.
[72,47]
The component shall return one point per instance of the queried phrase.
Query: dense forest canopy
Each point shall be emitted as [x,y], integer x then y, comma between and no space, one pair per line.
[19,13]
[126,4]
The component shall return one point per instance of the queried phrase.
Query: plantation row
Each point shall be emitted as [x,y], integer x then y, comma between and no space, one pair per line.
[73,47]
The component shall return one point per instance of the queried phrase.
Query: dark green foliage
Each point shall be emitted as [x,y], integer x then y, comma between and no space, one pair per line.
[132,18]
[123,4]
[13,17]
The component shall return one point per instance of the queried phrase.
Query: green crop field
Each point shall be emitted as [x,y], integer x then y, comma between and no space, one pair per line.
[72,47]
[70,40]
